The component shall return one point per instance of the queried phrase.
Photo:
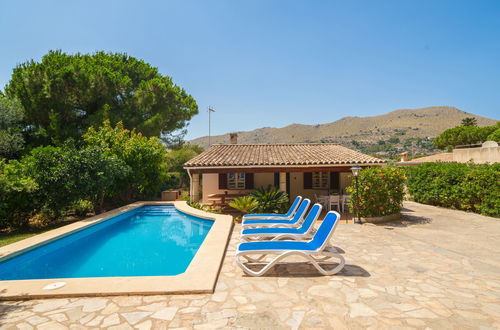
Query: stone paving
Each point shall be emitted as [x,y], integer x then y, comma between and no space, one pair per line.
[437,269]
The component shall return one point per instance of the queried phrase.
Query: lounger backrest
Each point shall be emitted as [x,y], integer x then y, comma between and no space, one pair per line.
[325,231]
[311,218]
[301,212]
[294,206]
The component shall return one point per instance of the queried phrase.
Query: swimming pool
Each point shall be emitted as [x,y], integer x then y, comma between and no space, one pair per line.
[152,240]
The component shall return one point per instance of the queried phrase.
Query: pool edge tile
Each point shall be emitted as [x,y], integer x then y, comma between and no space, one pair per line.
[200,277]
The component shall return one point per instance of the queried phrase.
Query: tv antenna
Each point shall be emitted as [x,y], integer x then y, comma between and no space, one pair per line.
[210,110]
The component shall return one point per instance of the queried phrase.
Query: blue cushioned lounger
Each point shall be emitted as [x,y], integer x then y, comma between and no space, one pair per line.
[315,251]
[294,222]
[286,216]
[305,231]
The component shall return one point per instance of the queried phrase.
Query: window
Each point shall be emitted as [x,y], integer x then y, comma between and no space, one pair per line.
[320,180]
[236,180]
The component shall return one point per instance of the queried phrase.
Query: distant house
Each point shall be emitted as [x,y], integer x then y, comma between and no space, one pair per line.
[298,169]
[488,152]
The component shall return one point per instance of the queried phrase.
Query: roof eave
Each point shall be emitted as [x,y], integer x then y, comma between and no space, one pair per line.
[280,165]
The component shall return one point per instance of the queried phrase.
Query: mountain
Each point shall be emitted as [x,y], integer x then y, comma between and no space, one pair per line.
[405,129]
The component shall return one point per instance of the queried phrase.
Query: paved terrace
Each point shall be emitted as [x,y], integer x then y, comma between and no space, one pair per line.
[438,268]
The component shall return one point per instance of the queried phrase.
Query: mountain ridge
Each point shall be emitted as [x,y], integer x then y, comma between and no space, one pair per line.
[403,125]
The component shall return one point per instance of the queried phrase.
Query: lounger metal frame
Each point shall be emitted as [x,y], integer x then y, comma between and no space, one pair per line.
[315,257]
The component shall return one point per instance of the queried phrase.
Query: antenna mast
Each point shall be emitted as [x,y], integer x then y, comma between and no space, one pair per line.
[210,110]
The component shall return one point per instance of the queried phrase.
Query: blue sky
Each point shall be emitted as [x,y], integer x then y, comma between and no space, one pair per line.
[273,63]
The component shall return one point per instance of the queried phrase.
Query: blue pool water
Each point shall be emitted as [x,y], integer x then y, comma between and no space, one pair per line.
[148,241]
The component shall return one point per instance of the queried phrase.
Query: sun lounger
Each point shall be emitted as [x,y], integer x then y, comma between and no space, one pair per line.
[286,216]
[315,251]
[297,219]
[305,231]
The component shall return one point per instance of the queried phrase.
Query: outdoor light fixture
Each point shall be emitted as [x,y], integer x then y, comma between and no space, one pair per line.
[355,171]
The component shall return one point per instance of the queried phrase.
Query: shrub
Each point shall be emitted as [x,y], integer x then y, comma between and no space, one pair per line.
[244,204]
[39,220]
[65,175]
[270,200]
[175,164]
[146,158]
[16,194]
[82,207]
[495,136]
[11,117]
[381,191]
[468,187]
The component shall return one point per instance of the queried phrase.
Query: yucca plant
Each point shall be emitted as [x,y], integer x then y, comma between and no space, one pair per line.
[270,200]
[244,204]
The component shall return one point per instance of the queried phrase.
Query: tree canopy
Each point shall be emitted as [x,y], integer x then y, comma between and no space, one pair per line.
[65,94]
[469,121]
[11,117]
[463,135]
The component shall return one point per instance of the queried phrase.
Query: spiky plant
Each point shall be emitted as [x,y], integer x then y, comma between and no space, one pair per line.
[244,204]
[270,200]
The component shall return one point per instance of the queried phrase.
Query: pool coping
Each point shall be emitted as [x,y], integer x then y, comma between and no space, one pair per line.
[200,276]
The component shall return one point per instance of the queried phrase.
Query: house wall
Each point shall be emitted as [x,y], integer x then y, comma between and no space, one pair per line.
[210,185]
[297,185]
[477,155]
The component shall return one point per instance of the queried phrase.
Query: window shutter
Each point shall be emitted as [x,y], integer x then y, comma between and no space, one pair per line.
[222,181]
[308,180]
[277,180]
[335,180]
[249,181]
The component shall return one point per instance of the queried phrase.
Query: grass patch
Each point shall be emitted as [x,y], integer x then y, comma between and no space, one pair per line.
[7,238]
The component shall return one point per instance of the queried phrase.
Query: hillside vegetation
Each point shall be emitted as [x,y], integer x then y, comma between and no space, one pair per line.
[401,130]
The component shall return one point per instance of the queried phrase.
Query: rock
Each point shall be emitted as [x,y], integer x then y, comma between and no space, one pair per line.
[94,304]
[112,319]
[167,314]
[359,309]
[134,317]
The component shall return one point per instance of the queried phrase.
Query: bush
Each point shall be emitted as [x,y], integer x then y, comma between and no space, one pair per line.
[495,136]
[244,204]
[381,191]
[145,157]
[11,117]
[16,194]
[468,187]
[175,164]
[82,207]
[51,181]
[270,200]
[65,175]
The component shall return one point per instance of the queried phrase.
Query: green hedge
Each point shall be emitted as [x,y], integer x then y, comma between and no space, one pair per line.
[114,165]
[466,187]
[381,191]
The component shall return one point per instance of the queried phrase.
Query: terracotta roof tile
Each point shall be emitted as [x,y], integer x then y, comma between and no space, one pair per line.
[279,154]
